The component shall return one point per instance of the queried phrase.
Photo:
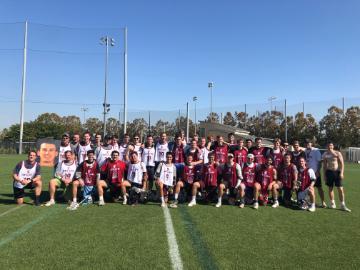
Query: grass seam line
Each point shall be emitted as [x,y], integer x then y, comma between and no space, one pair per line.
[11,210]
[174,253]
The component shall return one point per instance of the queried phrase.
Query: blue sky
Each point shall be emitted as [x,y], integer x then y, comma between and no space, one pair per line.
[298,50]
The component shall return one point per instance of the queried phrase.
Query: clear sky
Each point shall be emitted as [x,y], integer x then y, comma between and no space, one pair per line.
[299,50]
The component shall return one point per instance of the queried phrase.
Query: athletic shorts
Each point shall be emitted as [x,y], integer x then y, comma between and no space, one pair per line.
[202,184]
[179,170]
[301,195]
[249,191]
[88,191]
[20,192]
[60,184]
[333,177]
[103,176]
[318,181]
[287,194]
[150,172]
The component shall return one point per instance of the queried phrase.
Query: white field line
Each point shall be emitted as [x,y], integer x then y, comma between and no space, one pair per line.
[11,210]
[173,246]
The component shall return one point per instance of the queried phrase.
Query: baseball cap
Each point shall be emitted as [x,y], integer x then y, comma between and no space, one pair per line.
[250,156]
[66,135]
[230,155]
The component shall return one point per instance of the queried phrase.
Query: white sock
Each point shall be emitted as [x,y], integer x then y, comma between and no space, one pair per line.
[332,201]
[176,196]
[219,200]
[162,199]
[342,203]
[52,200]
[313,205]
[74,199]
[101,198]
[193,198]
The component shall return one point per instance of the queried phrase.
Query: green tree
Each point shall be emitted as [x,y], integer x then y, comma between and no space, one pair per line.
[229,119]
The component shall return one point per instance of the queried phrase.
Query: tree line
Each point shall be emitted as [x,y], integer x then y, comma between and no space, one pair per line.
[338,126]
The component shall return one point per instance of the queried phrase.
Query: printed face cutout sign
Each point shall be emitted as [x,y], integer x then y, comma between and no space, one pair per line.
[47,151]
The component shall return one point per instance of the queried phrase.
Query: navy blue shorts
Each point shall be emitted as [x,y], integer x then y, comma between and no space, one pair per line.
[333,177]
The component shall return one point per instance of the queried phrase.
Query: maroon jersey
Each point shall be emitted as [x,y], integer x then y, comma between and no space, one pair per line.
[295,158]
[189,173]
[210,175]
[304,179]
[196,154]
[114,171]
[259,155]
[240,156]
[89,172]
[249,173]
[178,154]
[228,174]
[264,176]
[287,175]
[278,159]
[221,153]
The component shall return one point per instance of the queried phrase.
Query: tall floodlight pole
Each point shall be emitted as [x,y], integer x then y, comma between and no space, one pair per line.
[106,41]
[211,85]
[84,110]
[187,121]
[271,100]
[195,99]
[23,89]
[125,78]
[286,126]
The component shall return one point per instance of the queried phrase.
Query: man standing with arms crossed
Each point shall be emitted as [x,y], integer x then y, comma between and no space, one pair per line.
[334,174]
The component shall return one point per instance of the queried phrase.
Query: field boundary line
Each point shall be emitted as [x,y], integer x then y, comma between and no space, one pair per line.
[173,246]
[11,210]
[7,239]
[204,257]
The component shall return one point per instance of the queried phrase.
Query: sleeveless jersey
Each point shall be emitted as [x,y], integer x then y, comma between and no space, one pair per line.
[189,173]
[136,172]
[249,175]
[295,158]
[264,176]
[178,154]
[259,155]
[229,174]
[240,156]
[148,156]
[167,174]
[278,158]
[138,149]
[122,152]
[197,155]
[210,175]
[82,152]
[204,154]
[24,173]
[287,175]
[304,178]
[160,151]
[89,173]
[68,171]
[103,154]
[221,153]
[62,151]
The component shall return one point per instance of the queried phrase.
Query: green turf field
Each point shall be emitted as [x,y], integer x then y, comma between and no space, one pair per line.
[125,237]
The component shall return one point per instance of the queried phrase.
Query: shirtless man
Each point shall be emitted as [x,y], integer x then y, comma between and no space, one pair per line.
[334,174]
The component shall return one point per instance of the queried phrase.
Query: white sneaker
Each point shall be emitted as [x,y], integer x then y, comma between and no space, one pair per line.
[163,204]
[50,203]
[323,205]
[344,208]
[241,205]
[124,200]
[101,202]
[192,203]
[312,208]
[218,205]
[72,205]
[256,205]
[275,205]
[332,205]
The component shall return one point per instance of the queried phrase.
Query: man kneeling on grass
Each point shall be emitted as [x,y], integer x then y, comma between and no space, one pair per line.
[165,178]
[26,175]
[64,175]
[114,170]
[86,176]
[305,186]
[136,179]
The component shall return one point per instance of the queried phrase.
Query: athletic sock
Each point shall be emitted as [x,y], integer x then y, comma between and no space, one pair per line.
[313,205]
[193,198]
[342,203]
[75,200]
[162,199]
[219,199]
[52,200]
[242,201]
[332,201]
[101,198]
[176,196]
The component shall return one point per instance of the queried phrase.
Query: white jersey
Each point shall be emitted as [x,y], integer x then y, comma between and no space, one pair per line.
[67,171]
[82,152]
[205,154]
[160,151]
[148,156]
[135,172]
[102,154]
[313,158]
[62,151]
[122,152]
[138,149]
[25,174]
[167,174]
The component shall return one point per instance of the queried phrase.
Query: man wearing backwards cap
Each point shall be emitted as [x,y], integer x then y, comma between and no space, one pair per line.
[230,175]
[247,185]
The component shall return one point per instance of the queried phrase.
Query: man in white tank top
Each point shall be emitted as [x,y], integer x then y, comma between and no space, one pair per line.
[103,152]
[123,148]
[148,158]
[136,177]
[64,175]
[26,175]
[64,146]
[83,147]
[161,149]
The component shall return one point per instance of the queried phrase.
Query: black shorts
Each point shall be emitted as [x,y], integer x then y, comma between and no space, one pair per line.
[287,194]
[20,192]
[318,181]
[103,176]
[333,177]
[150,172]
